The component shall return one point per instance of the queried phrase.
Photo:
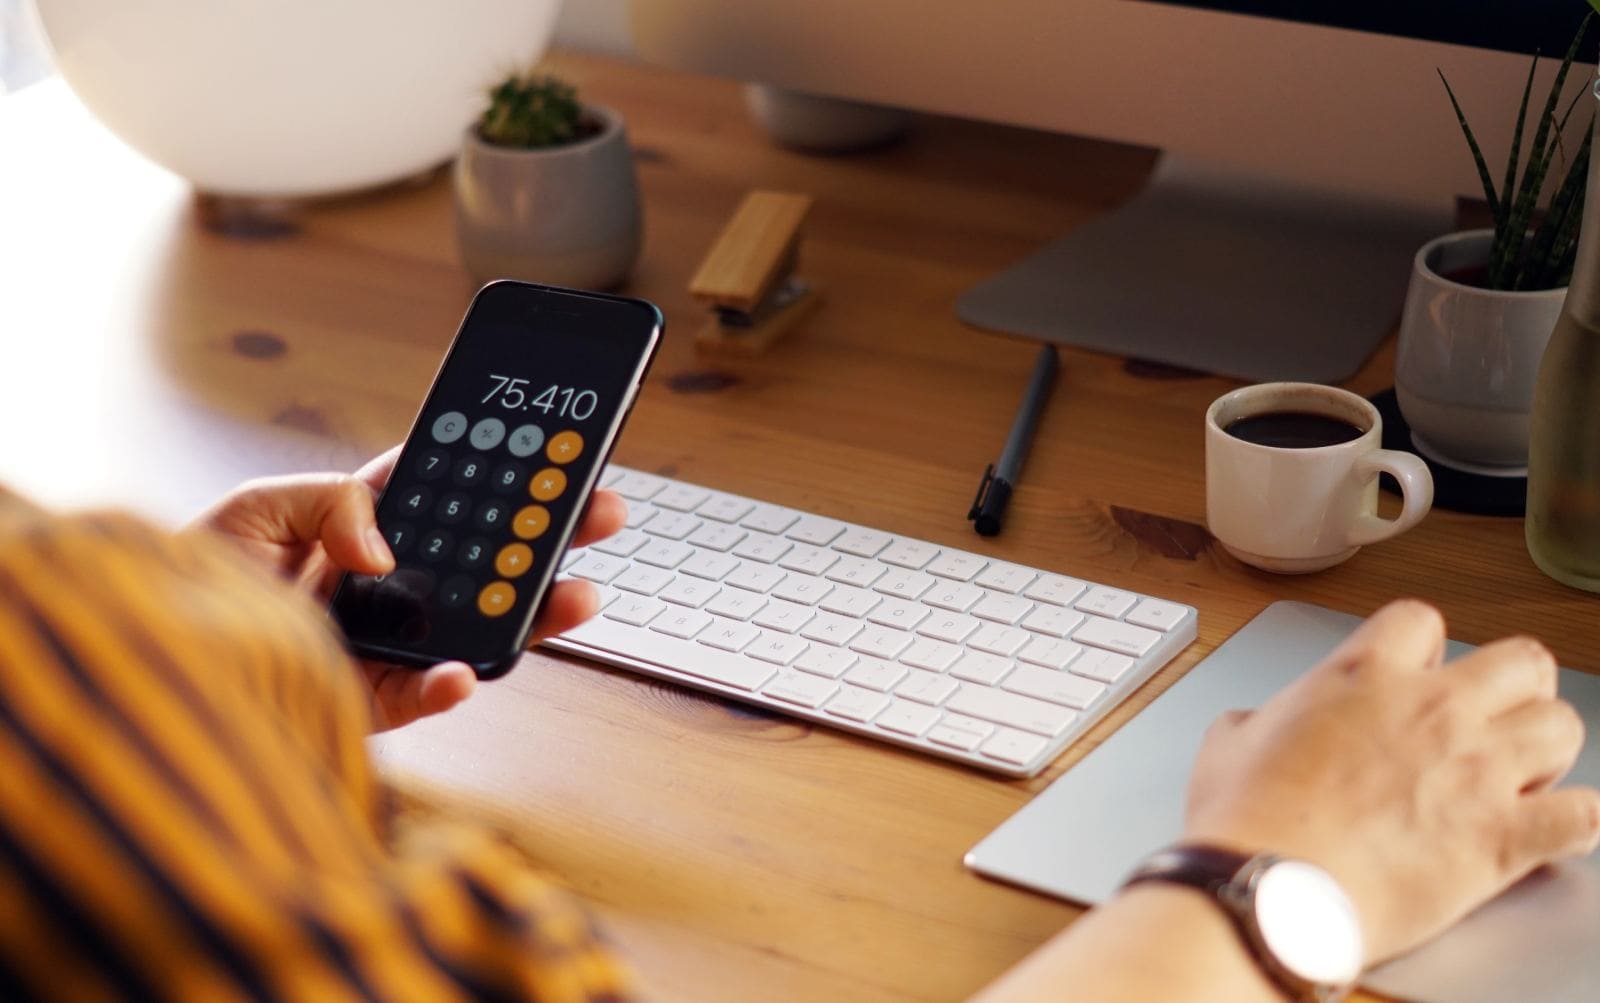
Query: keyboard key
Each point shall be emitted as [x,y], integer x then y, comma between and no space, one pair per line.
[686,591]
[1105,666]
[820,660]
[956,738]
[1052,620]
[1106,601]
[899,613]
[736,603]
[1007,745]
[685,657]
[957,566]
[636,486]
[1114,635]
[709,565]
[608,595]
[957,598]
[935,656]
[640,513]
[770,519]
[1062,688]
[779,649]
[881,642]
[783,616]
[830,628]
[683,623]
[905,584]
[1156,615]
[799,688]
[808,560]
[1022,712]
[862,542]
[671,525]
[856,571]
[1009,578]
[663,553]
[926,687]
[856,704]
[635,610]
[763,547]
[1057,590]
[877,674]
[609,476]
[979,667]
[728,635]
[725,508]
[911,554]
[998,640]
[802,589]
[847,600]
[640,578]
[755,577]
[815,530]
[622,544]
[1051,652]
[907,718]
[599,568]
[1002,608]
[717,536]
[952,627]
[681,497]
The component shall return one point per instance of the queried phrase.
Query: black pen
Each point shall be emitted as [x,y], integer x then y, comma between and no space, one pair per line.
[994,491]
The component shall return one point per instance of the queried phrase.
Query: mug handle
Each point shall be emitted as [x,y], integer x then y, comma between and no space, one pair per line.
[1416,489]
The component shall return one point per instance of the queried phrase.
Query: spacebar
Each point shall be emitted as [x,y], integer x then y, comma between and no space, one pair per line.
[668,652]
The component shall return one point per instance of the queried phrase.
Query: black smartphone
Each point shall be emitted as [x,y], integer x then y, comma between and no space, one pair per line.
[496,472]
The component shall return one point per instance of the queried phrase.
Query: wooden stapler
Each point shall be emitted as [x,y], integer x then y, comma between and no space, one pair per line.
[748,276]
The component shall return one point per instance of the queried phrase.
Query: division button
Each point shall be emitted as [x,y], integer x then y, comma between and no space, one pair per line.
[456,592]
[432,463]
[513,560]
[547,484]
[496,599]
[449,427]
[531,522]
[564,447]
[488,433]
[525,440]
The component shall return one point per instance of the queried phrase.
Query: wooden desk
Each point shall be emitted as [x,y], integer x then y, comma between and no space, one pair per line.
[151,359]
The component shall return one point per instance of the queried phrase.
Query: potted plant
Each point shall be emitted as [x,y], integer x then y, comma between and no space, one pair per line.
[1482,303]
[545,189]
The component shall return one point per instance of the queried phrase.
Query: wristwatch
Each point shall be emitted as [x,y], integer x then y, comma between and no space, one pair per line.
[1297,922]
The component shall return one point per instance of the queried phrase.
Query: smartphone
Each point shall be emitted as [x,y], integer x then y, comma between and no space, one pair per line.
[496,472]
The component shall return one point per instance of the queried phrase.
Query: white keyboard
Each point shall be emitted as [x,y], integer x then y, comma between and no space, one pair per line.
[947,652]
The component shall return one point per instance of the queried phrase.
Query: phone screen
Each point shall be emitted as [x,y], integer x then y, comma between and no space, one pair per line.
[495,474]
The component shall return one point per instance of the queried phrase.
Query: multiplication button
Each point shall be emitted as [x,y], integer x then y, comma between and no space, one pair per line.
[547,484]
[525,440]
[488,433]
[449,427]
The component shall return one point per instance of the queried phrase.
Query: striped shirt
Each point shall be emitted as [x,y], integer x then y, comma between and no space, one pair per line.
[187,811]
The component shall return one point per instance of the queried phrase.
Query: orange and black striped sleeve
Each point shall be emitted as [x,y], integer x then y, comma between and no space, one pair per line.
[187,812]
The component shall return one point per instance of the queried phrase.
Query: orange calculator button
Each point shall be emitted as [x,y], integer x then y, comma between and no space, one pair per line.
[564,447]
[531,522]
[496,598]
[547,484]
[513,559]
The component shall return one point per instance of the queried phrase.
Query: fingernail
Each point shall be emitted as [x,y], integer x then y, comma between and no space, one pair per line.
[377,547]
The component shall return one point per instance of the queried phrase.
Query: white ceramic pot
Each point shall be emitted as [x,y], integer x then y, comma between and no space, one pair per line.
[1468,358]
[289,98]
[563,215]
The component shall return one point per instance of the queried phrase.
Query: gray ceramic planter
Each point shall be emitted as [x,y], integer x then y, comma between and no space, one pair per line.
[564,216]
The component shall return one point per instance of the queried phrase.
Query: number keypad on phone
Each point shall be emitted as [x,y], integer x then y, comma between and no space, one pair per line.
[467,513]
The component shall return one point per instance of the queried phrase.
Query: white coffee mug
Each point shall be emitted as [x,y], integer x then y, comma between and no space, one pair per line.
[1299,509]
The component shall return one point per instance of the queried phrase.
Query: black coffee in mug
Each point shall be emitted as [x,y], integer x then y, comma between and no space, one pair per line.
[1293,429]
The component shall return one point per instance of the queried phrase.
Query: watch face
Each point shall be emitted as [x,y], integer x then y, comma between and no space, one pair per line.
[1308,923]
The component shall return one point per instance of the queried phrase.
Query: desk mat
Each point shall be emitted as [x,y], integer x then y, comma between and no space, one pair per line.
[1537,943]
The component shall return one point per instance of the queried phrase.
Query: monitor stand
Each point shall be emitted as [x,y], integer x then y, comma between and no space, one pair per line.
[1222,272]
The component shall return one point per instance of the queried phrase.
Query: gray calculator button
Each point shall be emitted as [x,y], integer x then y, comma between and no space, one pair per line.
[526,440]
[457,592]
[449,427]
[488,433]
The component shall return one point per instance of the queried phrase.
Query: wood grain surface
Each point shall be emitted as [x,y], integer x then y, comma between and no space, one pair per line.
[156,348]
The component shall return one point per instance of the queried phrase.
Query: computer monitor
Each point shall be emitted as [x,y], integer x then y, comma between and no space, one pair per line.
[1309,146]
